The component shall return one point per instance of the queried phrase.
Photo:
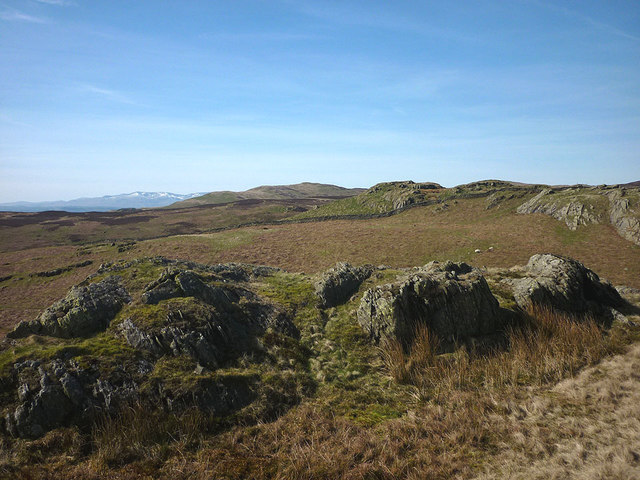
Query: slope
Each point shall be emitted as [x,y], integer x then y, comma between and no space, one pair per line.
[271,192]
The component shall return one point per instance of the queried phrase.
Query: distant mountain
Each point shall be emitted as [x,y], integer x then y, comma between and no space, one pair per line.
[101,204]
[272,192]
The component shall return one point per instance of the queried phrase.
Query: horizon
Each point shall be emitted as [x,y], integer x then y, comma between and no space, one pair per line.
[300,183]
[200,97]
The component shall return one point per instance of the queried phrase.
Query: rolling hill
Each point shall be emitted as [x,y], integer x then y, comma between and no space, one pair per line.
[271,192]
[315,397]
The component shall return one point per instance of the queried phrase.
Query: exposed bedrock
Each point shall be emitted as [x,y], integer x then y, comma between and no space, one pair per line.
[340,282]
[221,323]
[622,216]
[84,311]
[565,284]
[452,299]
[573,212]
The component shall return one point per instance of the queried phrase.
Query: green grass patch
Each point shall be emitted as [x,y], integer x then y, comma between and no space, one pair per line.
[571,237]
[104,347]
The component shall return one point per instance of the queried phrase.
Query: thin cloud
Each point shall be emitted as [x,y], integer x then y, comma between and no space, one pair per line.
[261,36]
[61,3]
[605,27]
[341,14]
[16,16]
[108,94]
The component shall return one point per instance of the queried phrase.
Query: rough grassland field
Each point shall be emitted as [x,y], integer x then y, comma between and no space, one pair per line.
[413,237]
[367,411]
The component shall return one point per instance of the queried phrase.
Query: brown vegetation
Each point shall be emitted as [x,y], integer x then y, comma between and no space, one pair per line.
[470,414]
[413,237]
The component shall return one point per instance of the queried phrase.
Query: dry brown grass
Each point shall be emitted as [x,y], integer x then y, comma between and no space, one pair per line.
[416,237]
[404,362]
[31,230]
[413,237]
[545,348]
[471,414]
[587,427]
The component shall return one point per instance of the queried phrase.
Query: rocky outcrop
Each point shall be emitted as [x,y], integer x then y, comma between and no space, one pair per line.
[565,284]
[622,216]
[224,323]
[57,393]
[199,336]
[585,205]
[496,199]
[185,283]
[84,311]
[339,283]
[570,211]
[452,299]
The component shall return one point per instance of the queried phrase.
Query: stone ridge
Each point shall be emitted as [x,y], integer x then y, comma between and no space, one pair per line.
[590,205]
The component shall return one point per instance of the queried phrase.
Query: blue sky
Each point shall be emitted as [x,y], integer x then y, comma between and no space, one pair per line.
[106,97]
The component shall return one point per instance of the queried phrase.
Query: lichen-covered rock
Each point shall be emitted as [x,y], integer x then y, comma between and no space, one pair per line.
[185,283]
[564,284]
[340,282]
[565,208]
[202,337]
[452,299]
[221,323]
[58,393]
[214,395]
[84,311]
[623,217]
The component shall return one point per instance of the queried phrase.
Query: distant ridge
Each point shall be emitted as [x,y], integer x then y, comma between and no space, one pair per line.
[271,192]
[631,184]
[101,204]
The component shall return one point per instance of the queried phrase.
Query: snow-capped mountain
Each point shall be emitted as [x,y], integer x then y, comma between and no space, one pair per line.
[101,204]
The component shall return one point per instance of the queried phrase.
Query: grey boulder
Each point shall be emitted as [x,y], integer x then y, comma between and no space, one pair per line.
[452,299]
[84,311]
[565,284]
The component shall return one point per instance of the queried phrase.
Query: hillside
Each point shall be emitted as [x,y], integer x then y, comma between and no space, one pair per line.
[389,197]
[450,230]
[217,351]
[27,230]
[202,371]
[618,205]
[271,192]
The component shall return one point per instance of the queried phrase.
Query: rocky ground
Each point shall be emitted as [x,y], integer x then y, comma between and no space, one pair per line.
[244,344]
[179,369]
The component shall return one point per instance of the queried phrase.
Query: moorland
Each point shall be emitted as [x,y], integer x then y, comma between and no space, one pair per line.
[310,378]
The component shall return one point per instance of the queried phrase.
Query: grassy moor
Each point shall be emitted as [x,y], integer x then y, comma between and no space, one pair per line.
[448,354]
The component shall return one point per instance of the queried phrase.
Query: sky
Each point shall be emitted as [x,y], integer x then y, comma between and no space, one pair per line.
[107,97]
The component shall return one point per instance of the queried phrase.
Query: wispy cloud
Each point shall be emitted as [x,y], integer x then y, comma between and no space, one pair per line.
[260,36]
[109,94]
[16,16]
[605,27]
[61,3]
[378,18]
